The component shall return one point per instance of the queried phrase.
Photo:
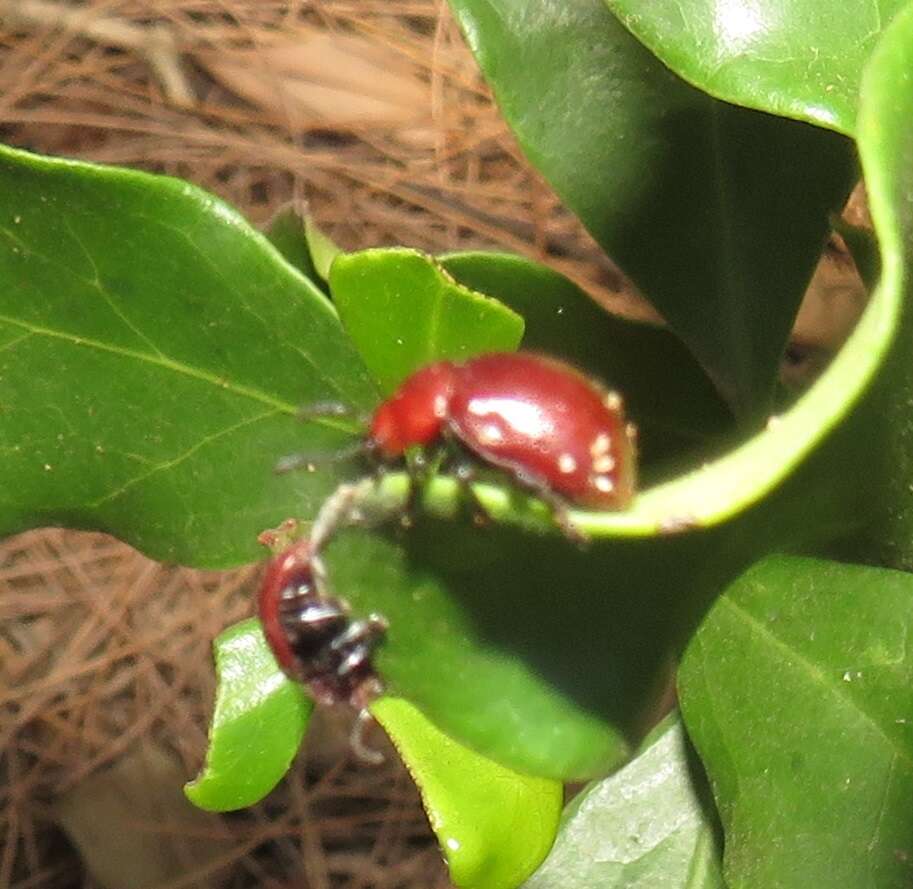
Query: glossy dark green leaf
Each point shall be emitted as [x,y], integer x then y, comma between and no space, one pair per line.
[716,212]
[494,826]
[666,393]
[404,311]
[153,351]
[259,722]
[802,59]
[846,461]
[798,694]
[650,825]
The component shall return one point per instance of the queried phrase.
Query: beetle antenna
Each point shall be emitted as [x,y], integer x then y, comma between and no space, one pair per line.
[305,459]
[328,408]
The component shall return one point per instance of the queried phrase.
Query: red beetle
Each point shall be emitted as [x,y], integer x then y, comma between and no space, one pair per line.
[553,429]
[313,636]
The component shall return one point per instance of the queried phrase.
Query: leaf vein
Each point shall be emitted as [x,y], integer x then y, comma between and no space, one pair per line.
[180,458]
[15,342]
[244,304]
[97,284]
[163,362]
[819,676]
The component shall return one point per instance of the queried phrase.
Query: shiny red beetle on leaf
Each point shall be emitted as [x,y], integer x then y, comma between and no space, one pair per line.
[556,432]
[550,427]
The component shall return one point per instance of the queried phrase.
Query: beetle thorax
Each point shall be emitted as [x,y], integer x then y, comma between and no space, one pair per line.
[416,414]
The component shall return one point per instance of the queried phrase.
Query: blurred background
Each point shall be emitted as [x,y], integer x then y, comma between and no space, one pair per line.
[372,117]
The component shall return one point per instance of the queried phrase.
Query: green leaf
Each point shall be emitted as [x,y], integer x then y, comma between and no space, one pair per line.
[649,825]
[798,694]
[153,352]
[259,722]
[666,393]
[797,59]
[494,826]
[881,426]
[716,212]
[305,246]
[404,311]
[323,249]
[286,232]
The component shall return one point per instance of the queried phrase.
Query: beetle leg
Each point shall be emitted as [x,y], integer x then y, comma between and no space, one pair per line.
[558,505]
[465,473]
[341,508]
[417,470]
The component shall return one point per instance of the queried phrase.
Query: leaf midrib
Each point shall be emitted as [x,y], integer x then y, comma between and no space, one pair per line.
[164,362]
[819,677]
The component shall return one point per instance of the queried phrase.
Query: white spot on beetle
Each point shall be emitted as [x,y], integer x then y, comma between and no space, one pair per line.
[490,434]
[605,463]
[603,483]
[600,445]
[567,464]
[519,416]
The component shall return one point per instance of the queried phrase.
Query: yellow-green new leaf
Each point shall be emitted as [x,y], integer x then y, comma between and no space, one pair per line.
[494,825]
[259,722]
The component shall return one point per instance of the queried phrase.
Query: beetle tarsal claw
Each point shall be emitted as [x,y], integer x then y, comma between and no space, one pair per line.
[364,722]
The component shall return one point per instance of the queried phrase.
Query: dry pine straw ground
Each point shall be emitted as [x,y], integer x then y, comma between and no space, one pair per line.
[374,111]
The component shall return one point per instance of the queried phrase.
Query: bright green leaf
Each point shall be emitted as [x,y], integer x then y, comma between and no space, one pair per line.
[802,59]
[494,826]
[798,694]
[716,212]
[322,248]
[298,239]
[649,825]
[404,311]
[153,352]
[259,722]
